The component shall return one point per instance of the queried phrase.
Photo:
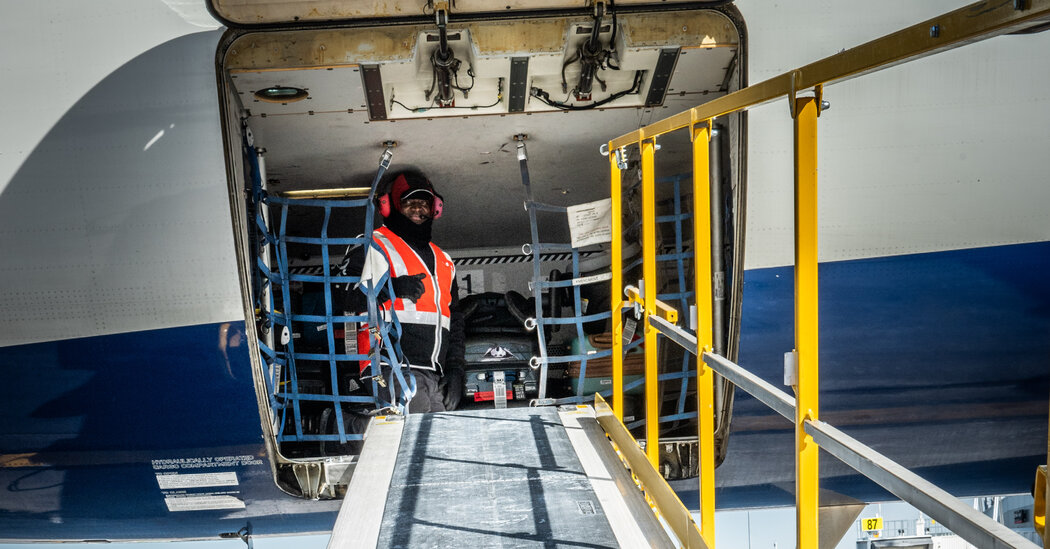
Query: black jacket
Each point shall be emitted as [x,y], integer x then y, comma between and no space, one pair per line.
[417,341]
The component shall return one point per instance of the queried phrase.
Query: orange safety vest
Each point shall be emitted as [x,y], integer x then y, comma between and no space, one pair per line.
[430,314]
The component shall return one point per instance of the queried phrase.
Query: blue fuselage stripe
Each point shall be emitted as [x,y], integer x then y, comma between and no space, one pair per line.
[933,345]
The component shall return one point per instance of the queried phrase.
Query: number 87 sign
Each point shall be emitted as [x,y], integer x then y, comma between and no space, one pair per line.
[871,524]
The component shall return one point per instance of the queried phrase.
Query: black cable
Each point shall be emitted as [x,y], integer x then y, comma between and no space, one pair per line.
[470,73]
[575,57]
[546,99]
[499,99]
[612,41]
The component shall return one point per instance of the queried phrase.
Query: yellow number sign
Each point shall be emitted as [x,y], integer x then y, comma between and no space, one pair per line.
[871,524]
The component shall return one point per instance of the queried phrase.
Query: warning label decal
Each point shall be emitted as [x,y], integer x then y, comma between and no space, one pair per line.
[175,481]
[202,503]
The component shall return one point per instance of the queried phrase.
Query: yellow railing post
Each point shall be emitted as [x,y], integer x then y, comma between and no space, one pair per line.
[1041,489]
[705,387]
[652,405]
[807,473]
[616,267]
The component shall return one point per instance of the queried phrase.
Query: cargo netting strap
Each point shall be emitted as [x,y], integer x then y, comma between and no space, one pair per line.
[379,333]
[277,315]
[540,322]
[679,255]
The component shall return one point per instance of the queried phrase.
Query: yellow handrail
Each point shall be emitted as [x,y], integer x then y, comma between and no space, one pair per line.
[663,310]
[965,25]
[652,399]
[616,266]
[807,471]
[705,377]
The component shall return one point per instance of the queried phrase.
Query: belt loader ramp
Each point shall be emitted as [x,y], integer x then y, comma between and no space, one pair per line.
[516,477]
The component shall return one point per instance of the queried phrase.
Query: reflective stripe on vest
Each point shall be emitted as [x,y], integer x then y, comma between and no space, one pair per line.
[403,260]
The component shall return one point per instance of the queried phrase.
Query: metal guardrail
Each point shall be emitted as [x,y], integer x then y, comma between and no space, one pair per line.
[961,519]
[963,26]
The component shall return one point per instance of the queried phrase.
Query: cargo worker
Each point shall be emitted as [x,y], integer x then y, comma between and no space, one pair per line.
[426,299]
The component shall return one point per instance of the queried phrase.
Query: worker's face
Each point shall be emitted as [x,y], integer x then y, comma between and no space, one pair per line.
[416,209]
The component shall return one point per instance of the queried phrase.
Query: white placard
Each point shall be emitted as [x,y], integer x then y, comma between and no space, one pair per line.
[202,503]
[590,223]
[175,481]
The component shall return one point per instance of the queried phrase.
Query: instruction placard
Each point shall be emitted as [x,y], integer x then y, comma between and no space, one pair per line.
[207,502]
[590,223]
[175,481]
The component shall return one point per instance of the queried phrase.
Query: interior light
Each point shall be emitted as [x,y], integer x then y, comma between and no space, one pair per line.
[281,94]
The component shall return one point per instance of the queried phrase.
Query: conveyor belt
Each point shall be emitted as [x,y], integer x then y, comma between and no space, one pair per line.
[520,477]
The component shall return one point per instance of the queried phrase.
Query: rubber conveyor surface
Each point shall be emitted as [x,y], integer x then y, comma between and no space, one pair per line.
[494,478]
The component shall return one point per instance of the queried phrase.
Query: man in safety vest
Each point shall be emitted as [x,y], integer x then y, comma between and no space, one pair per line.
[426,299]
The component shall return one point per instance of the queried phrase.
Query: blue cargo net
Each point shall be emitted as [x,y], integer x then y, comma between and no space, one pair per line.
[541,322]
[284,320]
[674,257]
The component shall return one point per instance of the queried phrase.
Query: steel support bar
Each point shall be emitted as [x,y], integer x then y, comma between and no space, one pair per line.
[676,334]
[652,403]
[906,485]
[965,25]
[616,283]
[781,402]
[705,385]
[671,509]
[964,520]
[663,310]
[807,472]
[348,192]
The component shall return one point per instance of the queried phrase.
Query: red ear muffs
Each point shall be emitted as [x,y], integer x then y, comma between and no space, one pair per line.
[399,186]
[437,207]
[384,205]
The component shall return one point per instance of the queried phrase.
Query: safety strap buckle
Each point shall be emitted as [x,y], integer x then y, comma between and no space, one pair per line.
[378,378]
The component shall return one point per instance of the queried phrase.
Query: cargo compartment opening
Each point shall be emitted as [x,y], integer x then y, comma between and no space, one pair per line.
[295,167]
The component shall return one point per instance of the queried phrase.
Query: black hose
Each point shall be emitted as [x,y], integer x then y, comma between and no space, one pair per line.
[546,99]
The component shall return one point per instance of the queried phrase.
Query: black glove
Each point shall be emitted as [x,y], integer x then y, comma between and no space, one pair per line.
[452,386]
[409,287]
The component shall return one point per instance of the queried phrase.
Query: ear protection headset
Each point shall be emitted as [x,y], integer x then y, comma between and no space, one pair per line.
[398,188]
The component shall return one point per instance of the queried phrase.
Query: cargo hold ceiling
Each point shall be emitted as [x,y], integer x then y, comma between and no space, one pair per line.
[365,86]
[498,67]
[248,13]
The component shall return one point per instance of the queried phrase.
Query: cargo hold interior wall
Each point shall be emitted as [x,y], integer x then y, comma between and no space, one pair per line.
[310,113]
